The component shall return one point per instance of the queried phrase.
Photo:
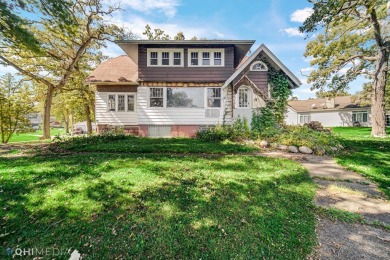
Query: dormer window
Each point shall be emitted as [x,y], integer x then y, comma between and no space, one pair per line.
[165,57]
[205,57]
[259,66]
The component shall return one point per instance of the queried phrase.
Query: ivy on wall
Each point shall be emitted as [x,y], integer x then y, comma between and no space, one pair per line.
[273,114]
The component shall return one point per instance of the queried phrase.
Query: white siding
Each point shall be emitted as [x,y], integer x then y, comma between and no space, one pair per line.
[174,116]
[291,117]
[103,116]
[327,118]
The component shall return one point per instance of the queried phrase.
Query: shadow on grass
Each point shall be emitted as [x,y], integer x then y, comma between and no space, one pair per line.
[369,157]
[110,206]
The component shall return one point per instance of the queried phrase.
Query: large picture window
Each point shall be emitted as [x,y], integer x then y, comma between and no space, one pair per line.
[185,97]
[360,116]
[156,97]
[214,97]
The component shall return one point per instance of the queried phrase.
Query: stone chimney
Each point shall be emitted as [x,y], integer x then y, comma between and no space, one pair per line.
[329,102]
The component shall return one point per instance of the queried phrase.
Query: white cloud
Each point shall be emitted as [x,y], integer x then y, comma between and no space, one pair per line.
[300,15]
[136,24]
[293,32]
[307,69]
[167,7]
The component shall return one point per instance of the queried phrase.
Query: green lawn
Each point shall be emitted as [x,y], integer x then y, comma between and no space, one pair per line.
[122,206]
[33,136]
[366,155]
[132,144]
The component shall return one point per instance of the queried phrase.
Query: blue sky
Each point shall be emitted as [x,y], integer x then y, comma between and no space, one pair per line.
[272,22]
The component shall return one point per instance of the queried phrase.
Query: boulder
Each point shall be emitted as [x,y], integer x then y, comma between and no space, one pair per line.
[305,150]
[282,147]
[263,144]
[250,142]
[293,149]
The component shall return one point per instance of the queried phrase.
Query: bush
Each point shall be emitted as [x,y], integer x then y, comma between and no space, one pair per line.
[315,125]
[320,141]
[237,132]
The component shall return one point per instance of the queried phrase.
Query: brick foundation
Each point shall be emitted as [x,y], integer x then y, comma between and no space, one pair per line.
[142,130]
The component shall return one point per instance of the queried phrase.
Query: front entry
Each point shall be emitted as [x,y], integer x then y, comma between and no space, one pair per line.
[243,104]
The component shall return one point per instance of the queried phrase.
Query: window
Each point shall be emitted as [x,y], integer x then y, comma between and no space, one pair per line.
[214,97]
[165,57]
[156,97]
[303,119]
[185,97]
[243,98]
[359,116]
[111,103]
[387,120]
[206,58]
[194,58]
[130,103]
[259,66]
[153,58]
[177,58]
[121,103]
[217,58]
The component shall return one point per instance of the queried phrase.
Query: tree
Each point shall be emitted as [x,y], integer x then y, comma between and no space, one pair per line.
[331,93]
[363,97]
[61,51]
[16,105]
[14,27]
[158,34]
[355,38]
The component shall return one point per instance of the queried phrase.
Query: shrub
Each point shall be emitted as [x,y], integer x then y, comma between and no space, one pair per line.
[315,125]
[238,131]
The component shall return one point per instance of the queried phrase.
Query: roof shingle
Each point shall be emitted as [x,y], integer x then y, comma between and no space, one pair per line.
[319,104]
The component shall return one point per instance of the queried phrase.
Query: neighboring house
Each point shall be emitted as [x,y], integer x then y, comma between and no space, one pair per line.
[82,127]
[175,88]
[338,111]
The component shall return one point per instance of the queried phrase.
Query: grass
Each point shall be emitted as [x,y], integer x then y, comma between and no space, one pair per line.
[366,155]
[131,144]
[33,136]
[121,206]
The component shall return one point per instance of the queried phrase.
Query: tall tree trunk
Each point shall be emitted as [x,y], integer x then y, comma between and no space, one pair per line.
[378,110]
[66,124]
[46,113]
[88,118]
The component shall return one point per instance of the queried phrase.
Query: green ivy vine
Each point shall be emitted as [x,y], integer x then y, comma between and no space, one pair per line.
[273,114]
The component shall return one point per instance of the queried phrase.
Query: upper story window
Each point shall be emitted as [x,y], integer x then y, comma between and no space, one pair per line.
[165,58]
[259,66]
[206,57]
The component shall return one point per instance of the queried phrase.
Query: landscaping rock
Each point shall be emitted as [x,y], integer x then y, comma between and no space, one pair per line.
[282,147]
[305,150]
[293,149]
[250,142]
[263,144]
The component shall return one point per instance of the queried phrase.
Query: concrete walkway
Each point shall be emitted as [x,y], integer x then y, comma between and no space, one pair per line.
[346,190]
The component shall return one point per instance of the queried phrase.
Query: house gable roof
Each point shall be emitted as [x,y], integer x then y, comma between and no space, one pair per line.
[120,70]
[318,105]
[262,48]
